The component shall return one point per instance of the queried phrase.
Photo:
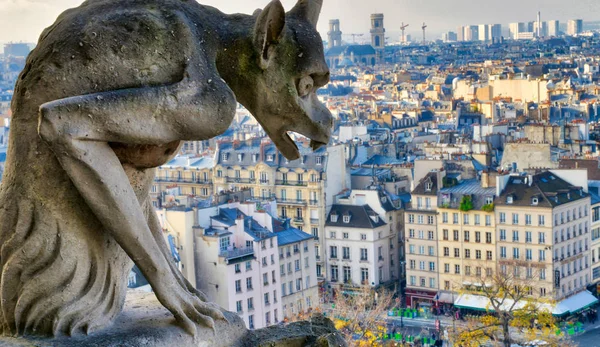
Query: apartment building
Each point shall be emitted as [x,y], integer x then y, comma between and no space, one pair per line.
[595,238]
[422,279]
[242,248]
[297,268]
[358,248]
[183,176]
[544,228]
[303,188]
[465,232]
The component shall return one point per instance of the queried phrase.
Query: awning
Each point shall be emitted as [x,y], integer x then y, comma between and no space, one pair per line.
[473,302]
[575,303]
[445,296]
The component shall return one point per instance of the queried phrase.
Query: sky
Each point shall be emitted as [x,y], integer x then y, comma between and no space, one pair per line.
[24,20]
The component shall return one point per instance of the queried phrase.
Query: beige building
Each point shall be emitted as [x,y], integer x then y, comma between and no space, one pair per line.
[466,233]
[422,270]
[183,177]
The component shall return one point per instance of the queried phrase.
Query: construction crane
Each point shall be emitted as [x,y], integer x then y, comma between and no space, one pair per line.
[423,27]
[354,36]
[403,27]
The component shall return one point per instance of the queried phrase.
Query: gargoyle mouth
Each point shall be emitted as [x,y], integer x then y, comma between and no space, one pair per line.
[289,148]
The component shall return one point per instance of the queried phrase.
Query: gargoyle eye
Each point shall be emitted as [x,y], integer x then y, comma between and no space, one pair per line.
[306,86]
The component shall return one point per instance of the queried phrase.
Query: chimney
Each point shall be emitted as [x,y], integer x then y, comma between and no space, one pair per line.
[484,179]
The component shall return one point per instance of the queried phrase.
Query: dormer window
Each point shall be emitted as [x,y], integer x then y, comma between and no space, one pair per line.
[240,156]
[489,200]
[319,159]
[347,219]
[255,157]
[224,156]
[534,201]
[270,157]
[334,218]
[509,199]
[568,196]
[428,186]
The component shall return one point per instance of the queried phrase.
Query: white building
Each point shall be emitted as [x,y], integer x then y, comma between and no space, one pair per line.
[236,246]
[360,246]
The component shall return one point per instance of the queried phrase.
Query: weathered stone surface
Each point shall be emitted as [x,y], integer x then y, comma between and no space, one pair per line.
[109,93]
[145,323]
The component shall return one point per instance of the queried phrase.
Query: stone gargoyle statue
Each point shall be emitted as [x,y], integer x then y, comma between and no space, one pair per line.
[109,93]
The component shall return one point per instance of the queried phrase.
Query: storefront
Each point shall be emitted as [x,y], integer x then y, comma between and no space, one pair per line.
[422,300]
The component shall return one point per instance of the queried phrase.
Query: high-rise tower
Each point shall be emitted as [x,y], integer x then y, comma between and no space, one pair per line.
[378,35]
[335,34]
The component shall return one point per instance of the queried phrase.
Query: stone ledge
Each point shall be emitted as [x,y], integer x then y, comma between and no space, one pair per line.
[144,322]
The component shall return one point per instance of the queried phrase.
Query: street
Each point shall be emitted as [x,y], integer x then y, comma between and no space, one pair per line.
[591,338]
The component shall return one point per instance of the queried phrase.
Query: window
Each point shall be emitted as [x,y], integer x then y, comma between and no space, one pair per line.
[445,234]
[456,235]
[411,218]
[347,274]
[446,252]
[224,243]
[411,233]
[488,220]
[413,280]
[363,254]
[422,265]
[466,234]
[345,235]
[478,271]
[465,219]
[488,255]
[541,220]
[364,275]
[297,264]
[515,236]
[237,268]
[334,274]
[420,219]
[503,252]
[412,264]
[528,237]
[455,218]
[502,216]
[411,249]
[444,217]
[488,271]
[238,306]
[250,303]
[467,253]
[515,253]
[346,253]
[527,219]
[431,251]
[477,236]
[333,252]
[430,235]
[515,218]
[502,235]
[447,268]
[363,236]
[249,283]
[477,254]
[528,254]
[542,255]
[488,237]
[457,269]
[431,266]
[431,282]
[238,286]
[477,222]
[457,253]
[298,284]
[422,281]
[541,237]
[429,219]
[346,218]
[265,279]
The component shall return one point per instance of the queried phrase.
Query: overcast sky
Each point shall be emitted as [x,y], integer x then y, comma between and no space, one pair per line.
[23,20]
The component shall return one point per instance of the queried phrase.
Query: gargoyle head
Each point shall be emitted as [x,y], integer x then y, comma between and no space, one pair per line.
[292,68]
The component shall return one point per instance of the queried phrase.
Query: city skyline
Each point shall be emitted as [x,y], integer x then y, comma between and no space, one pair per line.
[23,20]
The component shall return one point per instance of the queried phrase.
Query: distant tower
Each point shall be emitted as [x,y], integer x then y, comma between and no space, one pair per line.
[539,24]
[334,34]
[378,35]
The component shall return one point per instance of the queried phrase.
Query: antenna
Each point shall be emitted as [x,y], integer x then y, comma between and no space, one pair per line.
[403,27]
[423,27]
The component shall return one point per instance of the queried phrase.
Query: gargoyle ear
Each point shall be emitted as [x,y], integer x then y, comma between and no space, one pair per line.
[268,30]
[307,9]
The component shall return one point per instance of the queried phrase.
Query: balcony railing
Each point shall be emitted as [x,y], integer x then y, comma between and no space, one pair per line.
[291,183]
[313,202]
[181,180]
[291,201]
[236,253]
[240,180]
